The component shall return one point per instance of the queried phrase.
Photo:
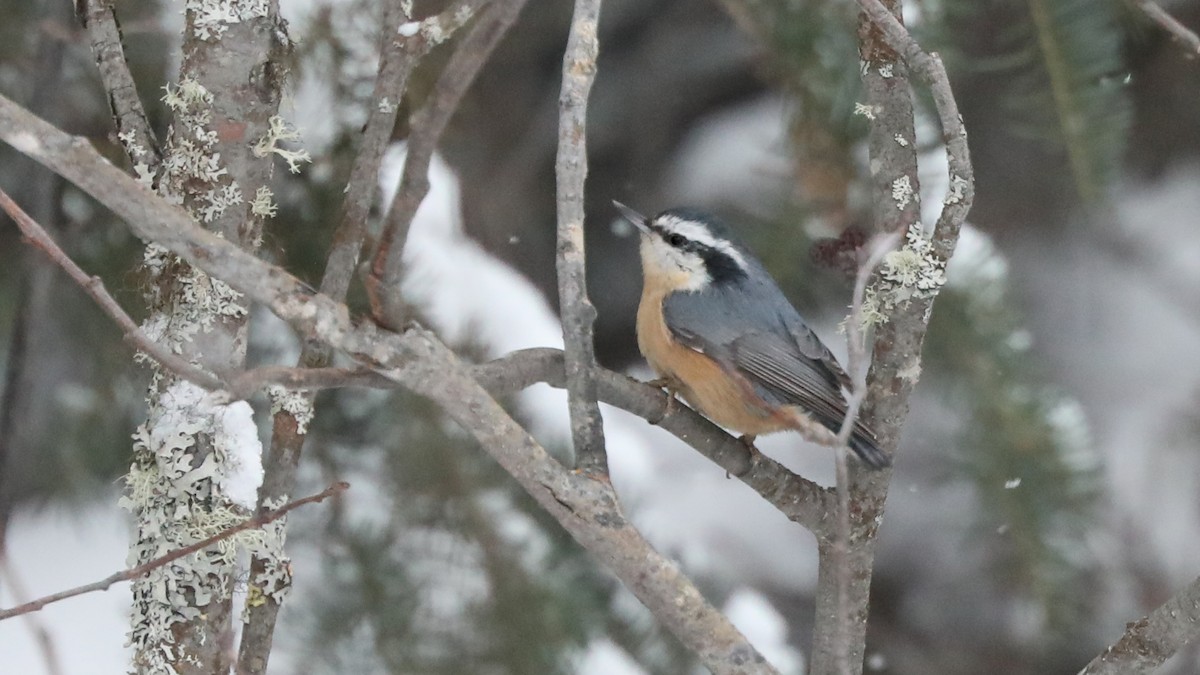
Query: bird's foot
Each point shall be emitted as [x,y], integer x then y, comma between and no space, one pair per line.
[747,440]
[669,386]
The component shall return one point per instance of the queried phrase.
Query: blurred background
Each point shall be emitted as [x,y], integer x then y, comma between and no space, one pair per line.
[1045,490]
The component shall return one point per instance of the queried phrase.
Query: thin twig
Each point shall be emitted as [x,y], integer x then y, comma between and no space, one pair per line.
[1154,638]
[404,47]
[578,314]
[133,129]
[141,570]
[36,235]
[1181,33]
[878,247]
[427,126]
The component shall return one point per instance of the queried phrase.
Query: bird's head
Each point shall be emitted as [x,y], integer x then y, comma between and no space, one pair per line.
[686,249]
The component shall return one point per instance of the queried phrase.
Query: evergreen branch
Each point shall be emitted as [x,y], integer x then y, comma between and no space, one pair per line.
[1066,102]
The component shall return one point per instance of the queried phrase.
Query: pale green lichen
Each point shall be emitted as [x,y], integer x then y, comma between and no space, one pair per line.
[211,18]
[902,191]
[297,403]
[913,271]
[195,473]
[197,461]
[958,186]
[279,130]
[264,203]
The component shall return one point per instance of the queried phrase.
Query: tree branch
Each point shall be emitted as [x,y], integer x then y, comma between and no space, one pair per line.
[1151,640]
[45,642]
[587,508]
[133,129]
[961,191]
[36,235]
[404,47]
[584,507]
[578,314]
[801,500]
[1181,33]
[141,570]
[883,42]
[427,125]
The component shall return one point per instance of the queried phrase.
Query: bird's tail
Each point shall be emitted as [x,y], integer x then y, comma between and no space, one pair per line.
[863,443]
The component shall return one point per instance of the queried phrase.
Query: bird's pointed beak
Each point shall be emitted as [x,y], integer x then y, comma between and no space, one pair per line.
[637,219]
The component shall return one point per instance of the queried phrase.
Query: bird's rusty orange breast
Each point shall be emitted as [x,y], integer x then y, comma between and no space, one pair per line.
[721,397]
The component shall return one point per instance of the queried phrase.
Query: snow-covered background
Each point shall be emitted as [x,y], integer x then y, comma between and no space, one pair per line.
[1111,320]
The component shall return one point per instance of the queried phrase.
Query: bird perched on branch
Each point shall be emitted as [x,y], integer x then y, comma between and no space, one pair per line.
[716,328]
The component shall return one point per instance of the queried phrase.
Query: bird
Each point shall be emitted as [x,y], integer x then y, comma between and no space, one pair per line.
[717,330]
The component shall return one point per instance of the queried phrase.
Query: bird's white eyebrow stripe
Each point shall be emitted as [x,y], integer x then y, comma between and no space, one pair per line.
[701,235]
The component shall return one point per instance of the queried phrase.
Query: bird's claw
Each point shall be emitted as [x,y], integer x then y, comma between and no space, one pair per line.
[666,384]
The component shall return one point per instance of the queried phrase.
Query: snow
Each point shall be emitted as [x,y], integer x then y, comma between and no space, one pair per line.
[605,658]
[237,433]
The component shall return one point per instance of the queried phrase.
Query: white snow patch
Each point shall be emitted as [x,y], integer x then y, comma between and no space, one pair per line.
[605,658]
[53,549]
[238,435]
[737,155]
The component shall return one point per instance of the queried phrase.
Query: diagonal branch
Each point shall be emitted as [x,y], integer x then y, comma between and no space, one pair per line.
[1154,638]
[404,47]
[38,237]
[427,126]
[1181,33]
[578,314]
[141,570]
[133,129]
[586,508]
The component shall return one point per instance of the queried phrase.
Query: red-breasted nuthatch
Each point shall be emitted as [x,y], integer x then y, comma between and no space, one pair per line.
[715,326]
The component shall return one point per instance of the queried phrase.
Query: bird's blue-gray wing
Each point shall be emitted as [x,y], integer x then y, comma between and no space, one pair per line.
[745,334]
[764,340]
